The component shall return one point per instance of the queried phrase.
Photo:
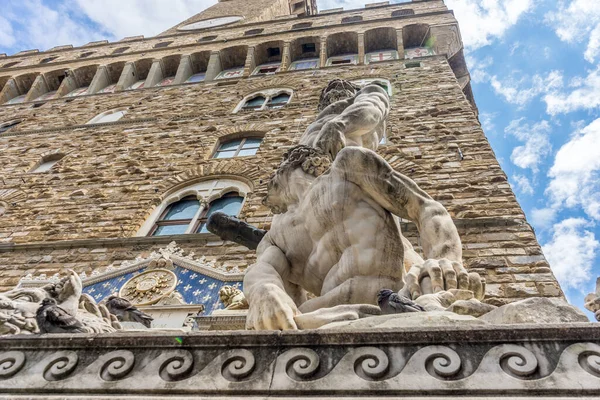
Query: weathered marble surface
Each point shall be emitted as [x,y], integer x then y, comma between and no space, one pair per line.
[538,310]
[470,362]
[592,301]
[337,234]
[18,307]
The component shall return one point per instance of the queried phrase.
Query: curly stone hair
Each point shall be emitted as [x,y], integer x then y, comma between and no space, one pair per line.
[313,161]
[337,89]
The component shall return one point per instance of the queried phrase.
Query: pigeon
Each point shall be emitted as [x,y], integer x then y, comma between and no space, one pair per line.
[125,311]
[393,303]
[52,318]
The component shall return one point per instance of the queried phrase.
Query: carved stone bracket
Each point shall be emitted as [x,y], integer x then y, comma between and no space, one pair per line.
[498,361]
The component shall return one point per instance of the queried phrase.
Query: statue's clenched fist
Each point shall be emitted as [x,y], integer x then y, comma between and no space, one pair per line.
[438,275]
[271,309]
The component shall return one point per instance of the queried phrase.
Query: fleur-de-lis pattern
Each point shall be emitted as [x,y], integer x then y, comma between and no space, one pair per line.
[195,287]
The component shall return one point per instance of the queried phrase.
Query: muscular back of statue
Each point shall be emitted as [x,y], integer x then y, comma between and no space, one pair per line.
[336,234]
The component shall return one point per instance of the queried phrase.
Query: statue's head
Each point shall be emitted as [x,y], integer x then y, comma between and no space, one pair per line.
[300,164]
[227,293]
[337,89]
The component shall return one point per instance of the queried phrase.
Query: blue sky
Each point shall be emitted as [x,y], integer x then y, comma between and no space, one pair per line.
[536,79]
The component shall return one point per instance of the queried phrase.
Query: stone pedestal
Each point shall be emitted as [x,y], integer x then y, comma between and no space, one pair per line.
[471,362]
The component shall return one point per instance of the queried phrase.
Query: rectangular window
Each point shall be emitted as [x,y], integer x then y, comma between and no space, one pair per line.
[337,62]
[273,52]
[309,48]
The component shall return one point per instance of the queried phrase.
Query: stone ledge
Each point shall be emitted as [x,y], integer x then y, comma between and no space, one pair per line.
[461,223]
[198,238]
[494,361]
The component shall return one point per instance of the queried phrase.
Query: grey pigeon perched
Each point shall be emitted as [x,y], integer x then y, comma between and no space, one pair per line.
[125,311]
[393,303]
[53,319]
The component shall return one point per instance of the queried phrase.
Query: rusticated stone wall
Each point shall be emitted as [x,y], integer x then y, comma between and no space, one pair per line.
[85,212]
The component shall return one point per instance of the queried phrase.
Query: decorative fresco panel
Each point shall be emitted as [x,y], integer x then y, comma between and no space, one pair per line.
[231,73]
[195,287]
[383,55]
[415,52]
[310,63]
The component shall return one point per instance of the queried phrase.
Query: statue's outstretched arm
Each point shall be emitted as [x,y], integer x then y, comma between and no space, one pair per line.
[266,290]
[366,115]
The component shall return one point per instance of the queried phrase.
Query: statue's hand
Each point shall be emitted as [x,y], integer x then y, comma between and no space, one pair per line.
[271,309]
[330,141]
[443,275]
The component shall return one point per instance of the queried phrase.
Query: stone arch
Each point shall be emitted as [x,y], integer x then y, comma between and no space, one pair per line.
[49,156]
[283,82]
[229,168]
[12,196]
[206,183]
[268,94]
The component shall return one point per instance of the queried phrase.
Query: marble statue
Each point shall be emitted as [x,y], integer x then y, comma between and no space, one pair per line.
[336,236]
[232,298]
[349,116]
[592,301]
[335,240]
[18,307]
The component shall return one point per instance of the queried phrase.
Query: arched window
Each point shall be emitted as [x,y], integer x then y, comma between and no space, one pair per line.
[187,210]
[347,20]
[11,64]
[247,146]
[265,100]
[278,101]
[176,219]
[230,204]
[120,50]
[255,103]
[108,116]
[47,163]
[401,13]
[7,125]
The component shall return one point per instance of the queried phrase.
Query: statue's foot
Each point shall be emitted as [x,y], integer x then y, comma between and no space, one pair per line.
[344,312]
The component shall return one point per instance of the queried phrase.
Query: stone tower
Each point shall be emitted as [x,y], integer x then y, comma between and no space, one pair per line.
[114,155]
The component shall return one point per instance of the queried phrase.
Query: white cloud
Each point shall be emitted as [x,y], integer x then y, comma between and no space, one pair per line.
[487,121]
[521,91]
[522,184]
[536,143]
[7,38]
[483,21]
[578,21]
[575,174]
[26,24]
[571,252]
[140,17]
[477,68]
[29,24]
[584,96]
[543,218]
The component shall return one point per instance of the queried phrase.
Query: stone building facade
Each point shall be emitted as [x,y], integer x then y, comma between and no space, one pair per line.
[89,159]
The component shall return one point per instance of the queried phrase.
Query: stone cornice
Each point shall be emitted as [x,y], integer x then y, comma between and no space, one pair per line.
[160,37]
[198,238]
[494,360]
[203,238]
